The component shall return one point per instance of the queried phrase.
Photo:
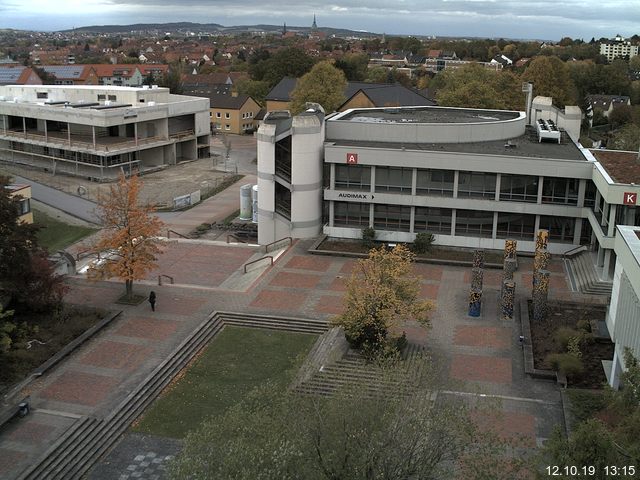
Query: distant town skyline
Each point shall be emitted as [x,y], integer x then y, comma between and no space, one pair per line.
[542,19]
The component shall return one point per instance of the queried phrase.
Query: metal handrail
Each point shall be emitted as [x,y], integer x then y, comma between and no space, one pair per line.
[266,247]
[163,275]
[255,261]
[169,232]
[574,250]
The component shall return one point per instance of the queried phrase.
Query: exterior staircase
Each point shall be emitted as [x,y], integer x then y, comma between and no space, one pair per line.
[353,370]
[89,438]
[583,275]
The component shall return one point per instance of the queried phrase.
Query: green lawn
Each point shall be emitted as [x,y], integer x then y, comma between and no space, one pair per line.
[56,235]
[235,362]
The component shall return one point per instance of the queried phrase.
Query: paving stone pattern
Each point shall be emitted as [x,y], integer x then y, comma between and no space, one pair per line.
[478,354]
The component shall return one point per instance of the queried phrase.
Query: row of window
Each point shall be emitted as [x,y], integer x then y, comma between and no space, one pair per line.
[517,188]
[228,115]
[468,223]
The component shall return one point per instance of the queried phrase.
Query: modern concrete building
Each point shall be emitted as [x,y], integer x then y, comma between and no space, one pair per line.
[618,47]
[623,316]
[97,131]
[471,177]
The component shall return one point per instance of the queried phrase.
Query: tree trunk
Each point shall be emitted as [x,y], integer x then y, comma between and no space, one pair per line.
[129,288]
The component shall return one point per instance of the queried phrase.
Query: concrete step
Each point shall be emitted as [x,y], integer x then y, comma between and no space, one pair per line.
[585,275]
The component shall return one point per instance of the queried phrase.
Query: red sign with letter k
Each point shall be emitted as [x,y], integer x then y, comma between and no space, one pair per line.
[630,198]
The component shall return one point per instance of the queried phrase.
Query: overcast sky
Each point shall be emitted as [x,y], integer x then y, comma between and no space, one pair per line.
[543,19]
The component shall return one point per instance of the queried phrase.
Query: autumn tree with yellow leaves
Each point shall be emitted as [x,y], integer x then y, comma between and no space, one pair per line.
[382,294]
[128,244]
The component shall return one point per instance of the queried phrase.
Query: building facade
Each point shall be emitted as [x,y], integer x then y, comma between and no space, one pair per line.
[23,192]
[97,131]
[618,47]
[471,177]
[623,315]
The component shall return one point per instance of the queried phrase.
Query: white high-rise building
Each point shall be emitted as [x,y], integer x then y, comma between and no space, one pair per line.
[618,47]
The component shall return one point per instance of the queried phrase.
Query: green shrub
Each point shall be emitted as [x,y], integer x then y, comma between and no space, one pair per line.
[203,227]
[565,363]
[563,336]
[423,242]
[368,237]
[573,347]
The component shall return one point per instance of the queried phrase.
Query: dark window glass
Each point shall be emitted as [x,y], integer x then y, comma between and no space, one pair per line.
[519,188]
[477,185]
[516,225]
[432,220]
[392,217]
[474,223]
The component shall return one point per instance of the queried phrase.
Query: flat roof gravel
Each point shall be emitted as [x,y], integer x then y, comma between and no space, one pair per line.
[429,115]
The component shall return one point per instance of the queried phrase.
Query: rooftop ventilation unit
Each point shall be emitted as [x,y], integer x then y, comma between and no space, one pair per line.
[547,130]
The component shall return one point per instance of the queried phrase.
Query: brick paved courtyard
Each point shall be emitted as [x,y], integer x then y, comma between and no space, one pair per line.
[478,355]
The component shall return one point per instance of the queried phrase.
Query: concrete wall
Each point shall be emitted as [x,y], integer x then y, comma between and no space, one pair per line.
[399,132]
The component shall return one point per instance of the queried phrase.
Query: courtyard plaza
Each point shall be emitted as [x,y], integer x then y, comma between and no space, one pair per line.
[480,358]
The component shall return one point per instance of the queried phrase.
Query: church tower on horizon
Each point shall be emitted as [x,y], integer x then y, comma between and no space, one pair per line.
[314,25]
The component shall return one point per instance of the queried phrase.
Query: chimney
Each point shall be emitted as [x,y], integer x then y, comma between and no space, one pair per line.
[234,93]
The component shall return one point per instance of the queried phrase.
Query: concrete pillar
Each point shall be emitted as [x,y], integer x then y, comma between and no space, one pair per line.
[498,181]
[494,231]
[577,231]
[135,132]
[332,177]
[412,219]
[453,222]
[24,127]
[582,189]
[93,134]
[606,263]
[46,132]
[69,132]
[456,178]
[414,181]
[600,259]
[373,179]
[612,220]
[540,186]
[331,212]
[616,371]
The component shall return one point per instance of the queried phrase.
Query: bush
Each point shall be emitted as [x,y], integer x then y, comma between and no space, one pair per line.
[203,227]
[565,363]
[423,242]
[563,336]
[368,237]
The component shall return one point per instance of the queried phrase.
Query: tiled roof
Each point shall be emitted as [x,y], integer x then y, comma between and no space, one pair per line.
[604,101]
[228,101]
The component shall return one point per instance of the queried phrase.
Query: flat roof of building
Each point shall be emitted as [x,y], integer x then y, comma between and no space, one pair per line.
[90,87]
[622,167]
[526,145]
[427,114]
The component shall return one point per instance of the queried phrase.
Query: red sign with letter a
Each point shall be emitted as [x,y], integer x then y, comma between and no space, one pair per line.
[630,198]
[352,158]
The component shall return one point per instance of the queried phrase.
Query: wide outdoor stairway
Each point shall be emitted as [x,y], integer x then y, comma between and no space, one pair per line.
[89,438]
[583,275]
[353,371]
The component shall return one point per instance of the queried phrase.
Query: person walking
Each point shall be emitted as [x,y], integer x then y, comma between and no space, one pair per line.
[152,300]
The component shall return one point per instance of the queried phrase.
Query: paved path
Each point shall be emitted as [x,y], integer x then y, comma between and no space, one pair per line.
[479,357]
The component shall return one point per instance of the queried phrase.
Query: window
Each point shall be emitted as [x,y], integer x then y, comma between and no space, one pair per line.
[227,127]
[560,190]
[433,220]
[474,223]
[101,96]
[24,206]
[435,182]
[394,179]
[42,95]
[218,115]
[350,214]
[561,229]
[251,114]
[392,217]
[112,98]
[519,188]
[227,115]
[354,177]
[477,185]
[516,225]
